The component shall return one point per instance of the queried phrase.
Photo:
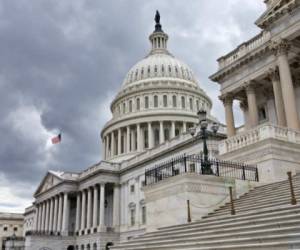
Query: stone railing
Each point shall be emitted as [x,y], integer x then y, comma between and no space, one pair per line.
[103,165]
[244,49]
[260,133]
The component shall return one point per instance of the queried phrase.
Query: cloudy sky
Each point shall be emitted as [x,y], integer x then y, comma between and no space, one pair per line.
[62,62]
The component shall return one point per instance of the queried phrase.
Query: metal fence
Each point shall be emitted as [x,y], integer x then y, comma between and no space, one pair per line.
[194,164]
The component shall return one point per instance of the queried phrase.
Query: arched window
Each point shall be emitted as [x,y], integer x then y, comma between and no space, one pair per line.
[136,74]
[108,245]
[130,106]
[165,100]
[191,104]
[162,69]
[174,100]
[197,103]
[95,246]
[183,102]
[146,102]
[82,247]
[144,214]
[155,69]
[88,247]
[170,69]
[149,71]
[142,73]
[155,101]
[138,104]
[124,108]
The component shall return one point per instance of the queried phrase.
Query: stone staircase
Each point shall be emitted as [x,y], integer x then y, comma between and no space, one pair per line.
[264,220]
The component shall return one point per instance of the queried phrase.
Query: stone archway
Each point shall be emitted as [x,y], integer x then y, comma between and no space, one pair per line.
[70,247]
[108,245]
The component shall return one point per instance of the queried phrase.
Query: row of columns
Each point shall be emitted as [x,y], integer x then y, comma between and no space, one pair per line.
[53,214]
[90,208]
[284,94]
[133,139]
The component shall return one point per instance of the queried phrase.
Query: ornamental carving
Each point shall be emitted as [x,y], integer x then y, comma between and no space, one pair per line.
[280,48]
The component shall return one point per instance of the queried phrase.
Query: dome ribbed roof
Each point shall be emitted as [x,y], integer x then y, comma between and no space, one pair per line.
[160,65]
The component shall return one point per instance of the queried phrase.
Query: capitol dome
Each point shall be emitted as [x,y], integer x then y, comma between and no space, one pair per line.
[158,101]
[159,65]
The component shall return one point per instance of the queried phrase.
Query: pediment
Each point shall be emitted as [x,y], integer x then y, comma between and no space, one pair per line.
[49,181]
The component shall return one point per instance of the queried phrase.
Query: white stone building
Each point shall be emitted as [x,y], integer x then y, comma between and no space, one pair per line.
[157,104]
[263,75]
[10,224]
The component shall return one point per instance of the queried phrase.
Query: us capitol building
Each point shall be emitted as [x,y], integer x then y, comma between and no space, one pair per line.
[153,114]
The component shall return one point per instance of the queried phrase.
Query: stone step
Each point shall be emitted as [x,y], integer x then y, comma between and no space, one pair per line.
[264,216]
[257,214]
[198,243]
[253,205]
[250,208]
[246,228]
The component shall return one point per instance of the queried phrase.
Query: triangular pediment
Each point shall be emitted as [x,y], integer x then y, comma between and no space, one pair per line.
[49,181]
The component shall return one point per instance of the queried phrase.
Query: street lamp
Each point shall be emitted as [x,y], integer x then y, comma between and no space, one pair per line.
[205,164]
[13,238]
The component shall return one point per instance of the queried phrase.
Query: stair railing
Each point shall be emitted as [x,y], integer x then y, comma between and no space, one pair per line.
[293,197]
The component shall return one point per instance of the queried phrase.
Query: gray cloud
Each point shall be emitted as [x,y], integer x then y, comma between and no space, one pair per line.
[62,61]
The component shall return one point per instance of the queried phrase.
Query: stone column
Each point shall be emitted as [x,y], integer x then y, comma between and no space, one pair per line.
[50,228]
[78,208]
[150,135]
[40,216]
[59,218]
[102,205]
[103,148]
[128,139]
[161,132]
[95,209]
[83,210]
[66,214]
[113,146]
[89,209]
[139,139]
[184,127]
[252,105]
[287,87]
[279,104]
[228,102]
[107,147]
[172,129]
[119,141]
[133,141]
[55,214]
[116,206]
[43,216]
[36,218]
[47,216]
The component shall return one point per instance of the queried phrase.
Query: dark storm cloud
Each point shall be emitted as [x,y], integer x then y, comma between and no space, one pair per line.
[61,63]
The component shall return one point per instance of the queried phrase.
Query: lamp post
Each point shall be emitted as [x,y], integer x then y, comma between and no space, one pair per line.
[13,238]
[203,135]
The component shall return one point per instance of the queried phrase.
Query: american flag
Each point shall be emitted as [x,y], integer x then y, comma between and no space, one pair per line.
[56,139]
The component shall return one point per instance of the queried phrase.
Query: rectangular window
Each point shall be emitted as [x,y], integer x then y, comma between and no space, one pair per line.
[144,215]
[132,217]
[192,168]
[146,102]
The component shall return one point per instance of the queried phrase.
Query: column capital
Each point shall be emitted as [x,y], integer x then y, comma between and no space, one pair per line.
[227,98]
[249,87]
[281,47]
[273,74]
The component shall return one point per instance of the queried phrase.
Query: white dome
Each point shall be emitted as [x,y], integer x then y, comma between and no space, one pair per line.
[159,65]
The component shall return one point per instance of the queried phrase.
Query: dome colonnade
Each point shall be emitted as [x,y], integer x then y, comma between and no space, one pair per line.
[159,100]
